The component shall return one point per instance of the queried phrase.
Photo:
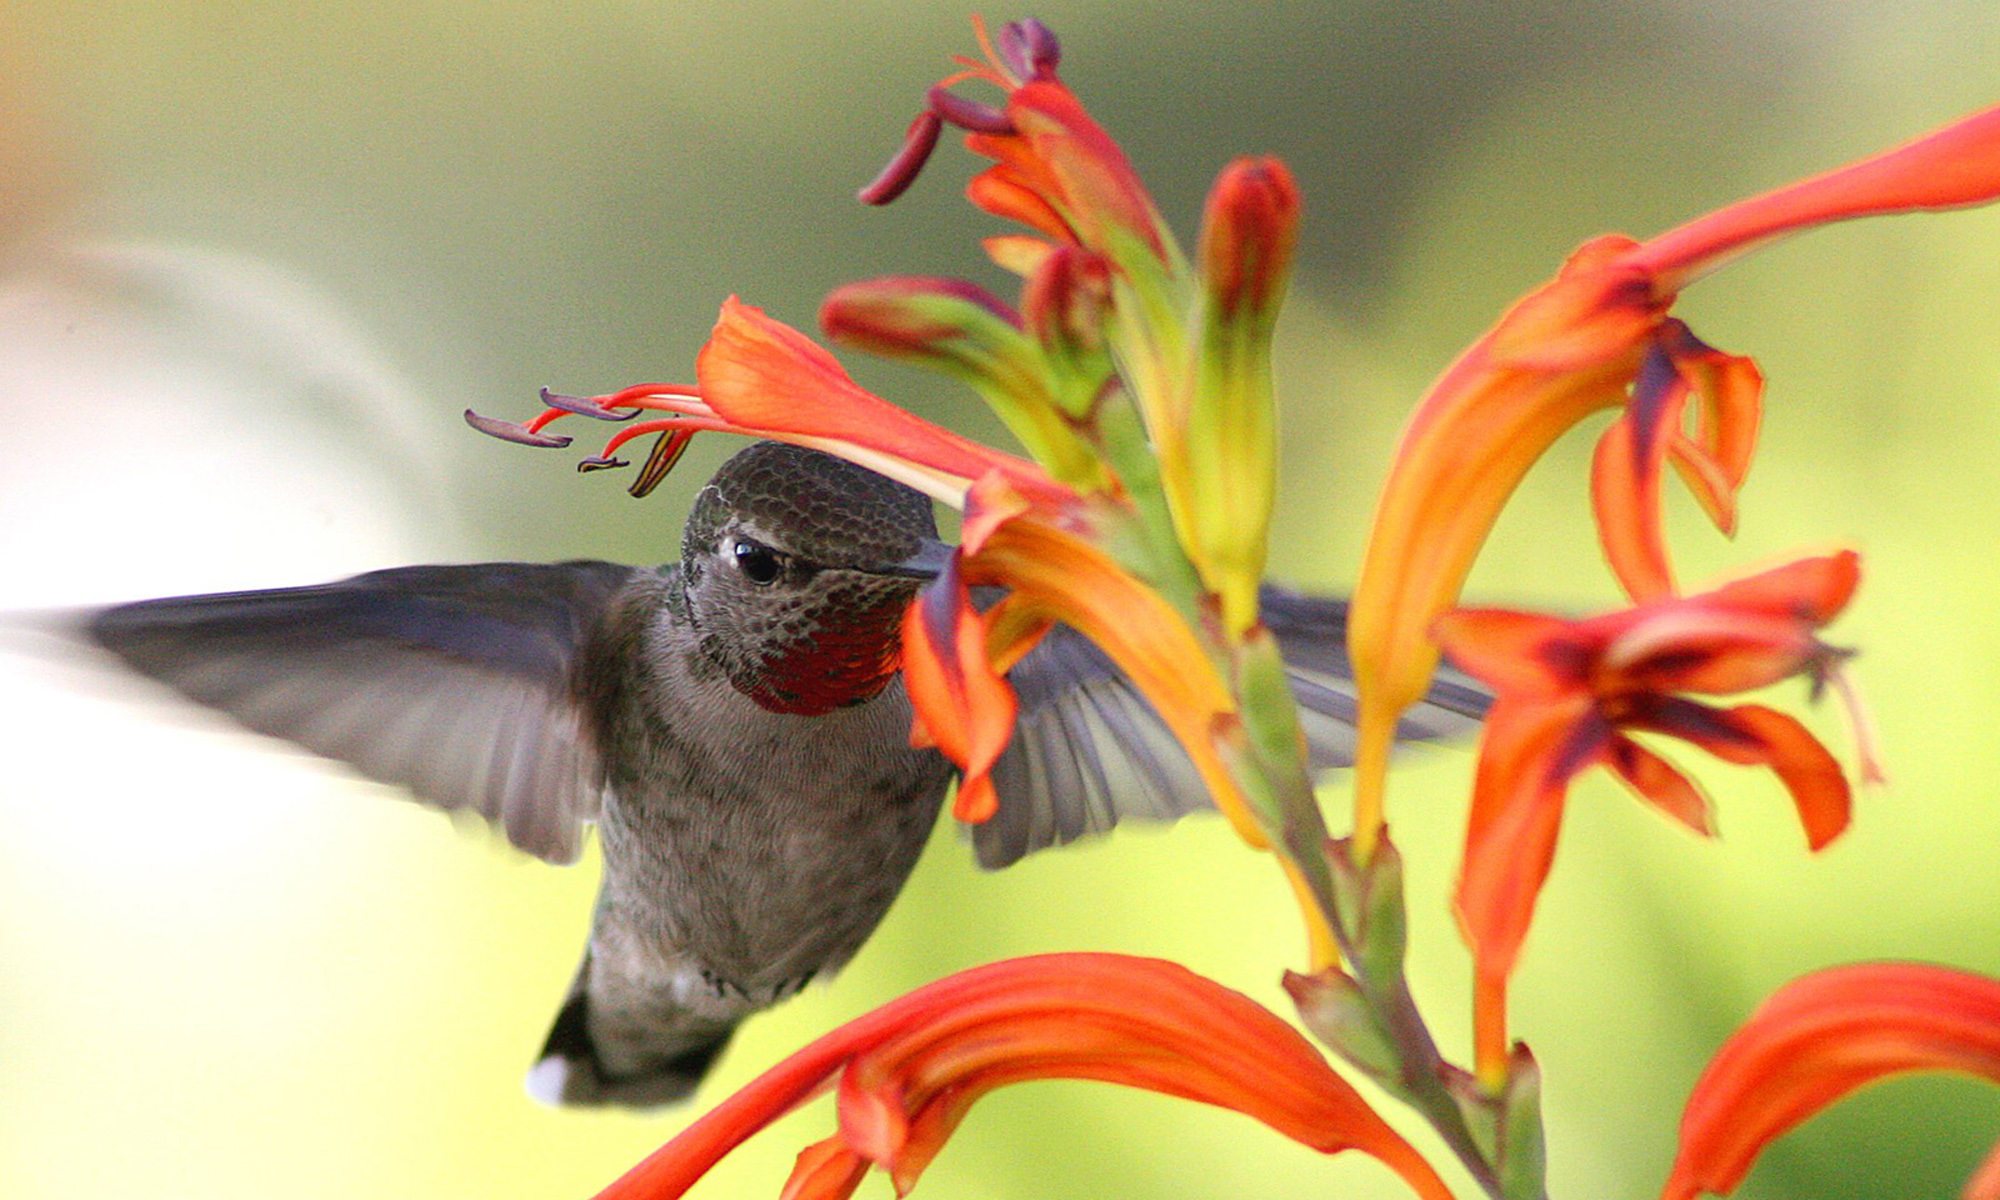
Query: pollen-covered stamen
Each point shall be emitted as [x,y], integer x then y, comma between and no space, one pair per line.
[599,462]
[514,431]
[970,115]
[584,406]
[1029,49]
[895,179]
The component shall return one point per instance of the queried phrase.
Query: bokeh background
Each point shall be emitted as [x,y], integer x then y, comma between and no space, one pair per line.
[256,257]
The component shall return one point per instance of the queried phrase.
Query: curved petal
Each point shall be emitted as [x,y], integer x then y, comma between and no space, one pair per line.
[1819,1038]
[762,375]
[1752,735]
[963,706]
[1471,440]
[1625,475]
[1657,782]
[1527,757]
[1813,590]
[1950,167]
[1514,652]
[908,1071]
[1715,461]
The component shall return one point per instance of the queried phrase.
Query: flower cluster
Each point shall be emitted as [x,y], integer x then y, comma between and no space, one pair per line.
[1137,379]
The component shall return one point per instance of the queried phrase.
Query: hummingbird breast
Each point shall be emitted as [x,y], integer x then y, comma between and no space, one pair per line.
[745,847]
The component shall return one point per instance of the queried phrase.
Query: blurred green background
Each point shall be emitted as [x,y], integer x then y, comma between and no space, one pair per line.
[255,258]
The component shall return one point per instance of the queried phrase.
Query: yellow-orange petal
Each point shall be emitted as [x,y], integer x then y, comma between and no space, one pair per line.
[1816,1040]
[1056,575]
[1471,440]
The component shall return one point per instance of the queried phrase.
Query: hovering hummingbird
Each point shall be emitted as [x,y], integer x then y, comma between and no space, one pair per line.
[734,725]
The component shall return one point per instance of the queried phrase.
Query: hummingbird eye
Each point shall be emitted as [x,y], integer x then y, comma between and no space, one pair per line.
[759,563]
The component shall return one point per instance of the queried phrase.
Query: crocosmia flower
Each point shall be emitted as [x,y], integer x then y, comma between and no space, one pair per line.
[1600,336]
[1821,1037]
[1570,695]
[906,1074]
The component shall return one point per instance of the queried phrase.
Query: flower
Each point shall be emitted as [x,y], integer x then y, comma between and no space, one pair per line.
[1568,694]
[1819,1038]
[1599,336]
[906,1074]
[1191,342]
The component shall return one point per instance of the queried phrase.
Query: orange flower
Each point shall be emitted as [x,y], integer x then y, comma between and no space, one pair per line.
[906,1074]
[1192,346]
[1819,1038]
[1599,336]
[1569,692]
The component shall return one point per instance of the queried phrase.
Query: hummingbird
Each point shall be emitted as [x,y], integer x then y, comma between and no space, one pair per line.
[734,726]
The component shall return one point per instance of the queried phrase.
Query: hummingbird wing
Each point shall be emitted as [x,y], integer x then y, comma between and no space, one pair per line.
[455,682]
[1088,750]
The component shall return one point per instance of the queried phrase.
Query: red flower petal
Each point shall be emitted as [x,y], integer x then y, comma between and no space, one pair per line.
[966,708]
[1134,1021]
[1816,1040]
[1513,652]
[1752,735]
[1527,756]
[765,376]
[1657,782]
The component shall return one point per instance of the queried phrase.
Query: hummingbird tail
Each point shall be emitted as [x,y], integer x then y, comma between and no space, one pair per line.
[585,1063]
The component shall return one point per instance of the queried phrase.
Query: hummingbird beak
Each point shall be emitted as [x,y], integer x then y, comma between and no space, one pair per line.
[929,561]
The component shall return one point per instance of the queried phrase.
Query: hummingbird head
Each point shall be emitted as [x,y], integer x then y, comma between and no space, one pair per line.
[797,567]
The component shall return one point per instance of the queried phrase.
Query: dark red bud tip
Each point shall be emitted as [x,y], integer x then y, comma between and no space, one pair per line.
[600,463]
[968,114]
[1029,48]
[514,431]
[896,178]
[583,407]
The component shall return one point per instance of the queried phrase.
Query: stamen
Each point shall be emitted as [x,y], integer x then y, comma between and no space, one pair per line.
[599,462]
[666,452]
[514,431]
[1867,746]
[918,142]
[968,114]
[584,406]
[1029,48]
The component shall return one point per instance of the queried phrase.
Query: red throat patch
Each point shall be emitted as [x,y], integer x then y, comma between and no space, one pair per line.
[849,658]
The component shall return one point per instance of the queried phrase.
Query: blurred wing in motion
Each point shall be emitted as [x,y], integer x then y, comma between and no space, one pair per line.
[455,682]
[1088,750]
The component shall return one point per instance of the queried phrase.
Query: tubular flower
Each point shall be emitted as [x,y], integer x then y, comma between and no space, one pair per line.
[906,1074]
[1599,336]
[1568,695]
[1106,284]
[1821,1037]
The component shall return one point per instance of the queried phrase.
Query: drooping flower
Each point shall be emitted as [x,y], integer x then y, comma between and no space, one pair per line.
[1819,1038]
[1190,341]
[1599,336]
[906,1074]
[1570,693]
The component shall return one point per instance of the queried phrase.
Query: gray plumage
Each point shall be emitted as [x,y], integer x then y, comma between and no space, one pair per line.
[729,725]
